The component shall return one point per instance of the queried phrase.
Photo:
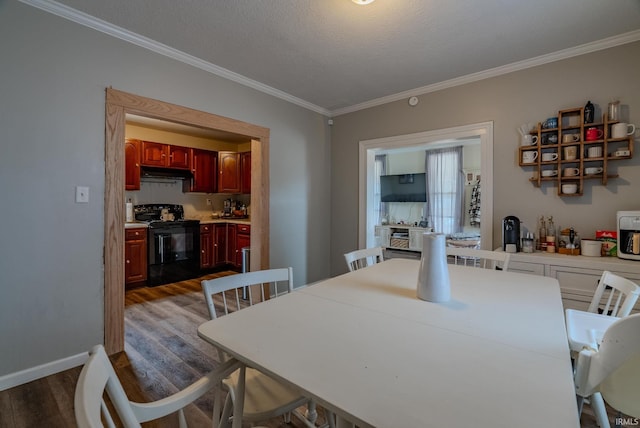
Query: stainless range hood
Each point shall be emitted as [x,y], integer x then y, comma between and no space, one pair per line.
[155,173]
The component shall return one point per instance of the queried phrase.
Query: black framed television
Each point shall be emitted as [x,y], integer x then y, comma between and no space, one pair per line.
[403,188]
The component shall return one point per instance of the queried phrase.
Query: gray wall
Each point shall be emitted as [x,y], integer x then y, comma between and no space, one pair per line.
[531,95]
[52,91]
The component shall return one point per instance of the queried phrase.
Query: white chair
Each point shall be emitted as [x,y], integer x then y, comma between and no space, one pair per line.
[612,372]
[359,259]
[265,397]
[614,288]
[98,377]
[479,258]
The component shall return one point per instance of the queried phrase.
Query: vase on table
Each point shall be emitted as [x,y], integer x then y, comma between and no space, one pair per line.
[433,276]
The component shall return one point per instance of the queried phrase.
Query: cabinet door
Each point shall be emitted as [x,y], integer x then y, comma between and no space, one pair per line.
[220,244]
[245,161]
[206,246]
[415,239]
[132,165]
[204,166]
[135,255]
[155,154]
[382,236]
[179,157]
[232,233]
[228,172]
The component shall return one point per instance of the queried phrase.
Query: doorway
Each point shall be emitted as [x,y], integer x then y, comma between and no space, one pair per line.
[117,106]
[421,141]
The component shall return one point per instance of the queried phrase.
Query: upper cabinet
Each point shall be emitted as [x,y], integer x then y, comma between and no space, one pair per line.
[229,178]
[204,167]
[132,165]
[245,161]
[165,155]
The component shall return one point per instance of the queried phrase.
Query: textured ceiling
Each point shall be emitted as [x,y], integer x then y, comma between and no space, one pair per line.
[334,54]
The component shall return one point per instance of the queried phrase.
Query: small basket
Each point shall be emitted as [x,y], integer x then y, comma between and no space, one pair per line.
[399,243]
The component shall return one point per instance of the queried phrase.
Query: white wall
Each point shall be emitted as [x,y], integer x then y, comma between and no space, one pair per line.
[530,95]
[52,94]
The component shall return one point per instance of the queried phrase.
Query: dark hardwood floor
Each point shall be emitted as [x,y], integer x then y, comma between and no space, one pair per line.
[163,354]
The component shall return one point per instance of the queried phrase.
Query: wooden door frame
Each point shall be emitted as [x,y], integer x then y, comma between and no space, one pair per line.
[118,104]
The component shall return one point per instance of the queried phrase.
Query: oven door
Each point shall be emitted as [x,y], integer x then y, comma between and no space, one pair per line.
[174,253]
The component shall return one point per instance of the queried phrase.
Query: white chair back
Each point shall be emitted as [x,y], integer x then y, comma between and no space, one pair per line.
[609,295]
[613,370]
[478,258]
[98,376]
[359,259]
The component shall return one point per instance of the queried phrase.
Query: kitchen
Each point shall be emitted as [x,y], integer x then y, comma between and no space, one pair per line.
[188,194]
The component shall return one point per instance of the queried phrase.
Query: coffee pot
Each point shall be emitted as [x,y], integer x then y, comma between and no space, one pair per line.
[511,234]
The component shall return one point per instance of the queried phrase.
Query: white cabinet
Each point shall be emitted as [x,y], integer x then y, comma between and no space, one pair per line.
[578,275]
[400,237]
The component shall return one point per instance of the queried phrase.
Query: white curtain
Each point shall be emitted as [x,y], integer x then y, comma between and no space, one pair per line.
[445,189]
[381,207]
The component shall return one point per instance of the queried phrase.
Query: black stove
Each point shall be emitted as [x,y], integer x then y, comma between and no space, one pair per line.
[173,243]
[152,214]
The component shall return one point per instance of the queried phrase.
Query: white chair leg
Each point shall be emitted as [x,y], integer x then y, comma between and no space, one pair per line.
[597,404]
[312,413]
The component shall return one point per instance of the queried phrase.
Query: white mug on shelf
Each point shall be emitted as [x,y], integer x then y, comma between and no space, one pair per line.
[529,156]
[622,130]
[529,140]
[549,172]
[593,170]
[549,157]
[570,138]
[594,152]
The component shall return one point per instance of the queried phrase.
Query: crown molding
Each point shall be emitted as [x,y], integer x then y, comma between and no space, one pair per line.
[144,42]
[82,18]
[630,37]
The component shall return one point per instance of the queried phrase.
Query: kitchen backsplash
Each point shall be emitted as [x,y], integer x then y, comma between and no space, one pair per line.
[170,192]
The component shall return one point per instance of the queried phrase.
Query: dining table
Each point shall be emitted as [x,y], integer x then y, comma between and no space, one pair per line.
[365,347]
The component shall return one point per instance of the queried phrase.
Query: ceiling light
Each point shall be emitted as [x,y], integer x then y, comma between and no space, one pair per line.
[362,2]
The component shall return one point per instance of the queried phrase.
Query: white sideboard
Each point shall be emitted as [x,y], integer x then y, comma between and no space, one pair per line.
[400,237]
[578,275]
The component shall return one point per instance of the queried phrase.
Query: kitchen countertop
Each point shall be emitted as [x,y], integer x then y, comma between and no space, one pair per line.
[137,224]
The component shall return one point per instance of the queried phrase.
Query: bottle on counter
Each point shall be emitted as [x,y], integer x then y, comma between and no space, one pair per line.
[129,211]
[551,236]
[542,235]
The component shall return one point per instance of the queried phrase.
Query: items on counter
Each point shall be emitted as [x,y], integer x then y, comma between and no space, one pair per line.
[609,240]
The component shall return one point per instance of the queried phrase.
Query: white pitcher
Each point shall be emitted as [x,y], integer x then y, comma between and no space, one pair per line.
[433,277]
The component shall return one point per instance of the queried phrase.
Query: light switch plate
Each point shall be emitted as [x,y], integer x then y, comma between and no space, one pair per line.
[82,194]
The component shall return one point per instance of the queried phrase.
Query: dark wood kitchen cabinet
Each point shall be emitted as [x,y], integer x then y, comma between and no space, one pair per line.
[245,168]
[165,155]
[204,166]
[206,246]
[229,177]
[135,255]
[243,239]
[220,244]
[132,164]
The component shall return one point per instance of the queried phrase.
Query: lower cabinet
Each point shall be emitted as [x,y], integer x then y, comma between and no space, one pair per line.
[135,255]
[222,244]
[578,275]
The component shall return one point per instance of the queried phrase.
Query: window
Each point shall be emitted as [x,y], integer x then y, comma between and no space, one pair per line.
[445,189]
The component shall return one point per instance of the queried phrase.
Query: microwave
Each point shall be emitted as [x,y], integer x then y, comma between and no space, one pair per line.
[628,224]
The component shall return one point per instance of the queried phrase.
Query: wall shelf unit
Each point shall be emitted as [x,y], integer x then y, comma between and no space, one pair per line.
[575,152]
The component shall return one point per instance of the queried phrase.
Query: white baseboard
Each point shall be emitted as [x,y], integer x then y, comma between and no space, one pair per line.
[19,378]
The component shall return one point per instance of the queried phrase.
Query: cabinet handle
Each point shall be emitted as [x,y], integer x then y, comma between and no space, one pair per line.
[128,261]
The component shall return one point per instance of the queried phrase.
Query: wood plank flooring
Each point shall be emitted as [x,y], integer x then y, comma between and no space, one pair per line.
[163,354]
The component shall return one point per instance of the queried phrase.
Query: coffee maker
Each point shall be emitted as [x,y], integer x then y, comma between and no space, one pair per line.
[511,234]
[628,235]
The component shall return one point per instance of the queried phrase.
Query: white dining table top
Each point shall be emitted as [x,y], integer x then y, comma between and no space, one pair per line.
[586,329]
[363,344]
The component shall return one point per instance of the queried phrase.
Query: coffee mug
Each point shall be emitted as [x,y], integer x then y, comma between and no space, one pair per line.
[569,188]
[570,138]
[551,122]
[571,152]
[594,134]
[549,157]
[593,170]
[570,172]
[594,152]
[529,157]
[529,140]
[622,130]
[549,172]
